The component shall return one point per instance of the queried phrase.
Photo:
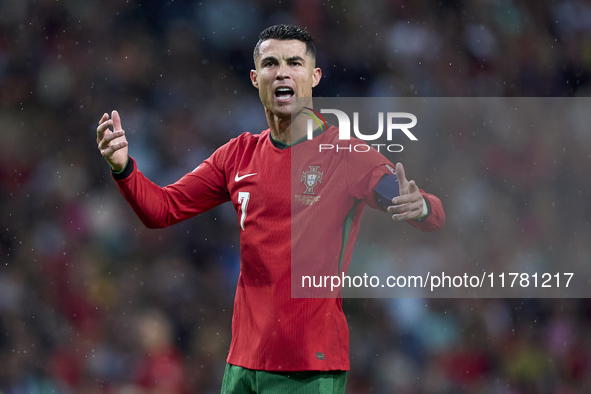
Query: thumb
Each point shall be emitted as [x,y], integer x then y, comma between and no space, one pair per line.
[412,187]
[402,182]
[116,120]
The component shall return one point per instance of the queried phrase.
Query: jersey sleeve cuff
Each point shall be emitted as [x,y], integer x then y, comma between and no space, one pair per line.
[125,172]
[427,208]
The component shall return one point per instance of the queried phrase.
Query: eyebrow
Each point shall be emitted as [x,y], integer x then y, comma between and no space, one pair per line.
[289,59]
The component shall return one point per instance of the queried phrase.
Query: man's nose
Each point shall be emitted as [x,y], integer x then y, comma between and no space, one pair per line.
[283,71]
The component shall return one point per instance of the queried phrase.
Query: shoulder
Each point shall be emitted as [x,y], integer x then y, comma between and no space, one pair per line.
[245,141]
[245,145]
[331,135]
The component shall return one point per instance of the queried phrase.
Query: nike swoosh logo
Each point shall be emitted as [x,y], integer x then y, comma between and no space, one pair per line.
[239,178]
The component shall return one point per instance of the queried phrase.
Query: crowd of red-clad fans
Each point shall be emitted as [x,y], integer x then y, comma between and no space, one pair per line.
[92,302]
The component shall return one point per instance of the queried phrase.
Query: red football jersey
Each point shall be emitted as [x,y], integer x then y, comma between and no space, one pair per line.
[291,203]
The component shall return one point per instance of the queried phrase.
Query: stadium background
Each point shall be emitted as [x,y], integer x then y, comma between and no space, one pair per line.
[82,282]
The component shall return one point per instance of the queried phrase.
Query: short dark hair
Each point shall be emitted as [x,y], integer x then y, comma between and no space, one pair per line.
[285,32]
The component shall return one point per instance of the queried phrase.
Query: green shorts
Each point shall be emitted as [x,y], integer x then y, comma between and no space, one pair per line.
[238,380]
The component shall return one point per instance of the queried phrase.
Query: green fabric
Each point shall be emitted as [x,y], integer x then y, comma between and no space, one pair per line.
[346,230]
[238,380]
[281,145]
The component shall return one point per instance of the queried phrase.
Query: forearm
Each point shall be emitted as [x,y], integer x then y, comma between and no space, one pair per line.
[158,207]
[147,199]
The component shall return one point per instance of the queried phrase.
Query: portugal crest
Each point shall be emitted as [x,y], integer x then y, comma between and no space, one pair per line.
[311,179]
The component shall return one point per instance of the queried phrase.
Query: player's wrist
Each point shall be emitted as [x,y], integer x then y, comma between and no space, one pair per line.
[426,211]
[125,171]
[119,167]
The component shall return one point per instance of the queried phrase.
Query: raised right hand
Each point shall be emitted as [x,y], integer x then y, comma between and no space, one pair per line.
[112,144]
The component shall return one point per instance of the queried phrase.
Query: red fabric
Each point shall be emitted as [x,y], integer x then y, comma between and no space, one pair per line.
[284,220]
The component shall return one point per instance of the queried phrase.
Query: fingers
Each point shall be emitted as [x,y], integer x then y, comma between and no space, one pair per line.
[112,144]
[406,211]
[104,124]
[104,142]
[406,215]
[107,148]
[407,206]
[108,152]
[407,199]
[409,194]
[104,117]
[116,120]
[401,174]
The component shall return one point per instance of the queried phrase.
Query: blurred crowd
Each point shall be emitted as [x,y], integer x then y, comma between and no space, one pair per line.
[92,302]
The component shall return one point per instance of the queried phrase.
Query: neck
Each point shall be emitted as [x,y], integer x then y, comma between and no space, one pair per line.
[284,130]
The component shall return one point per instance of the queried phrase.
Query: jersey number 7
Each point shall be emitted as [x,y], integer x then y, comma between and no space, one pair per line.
[243,198]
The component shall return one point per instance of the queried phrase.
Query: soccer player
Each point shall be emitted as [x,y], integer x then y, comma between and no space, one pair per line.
[280,344]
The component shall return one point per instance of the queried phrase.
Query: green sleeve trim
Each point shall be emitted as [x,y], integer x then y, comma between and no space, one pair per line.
[125,172]
[347,224]
[119,172]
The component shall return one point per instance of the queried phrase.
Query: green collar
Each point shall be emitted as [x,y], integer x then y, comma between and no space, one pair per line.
[281,145]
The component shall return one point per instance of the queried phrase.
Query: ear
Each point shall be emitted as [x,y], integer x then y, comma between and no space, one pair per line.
[253,78]
[316,76]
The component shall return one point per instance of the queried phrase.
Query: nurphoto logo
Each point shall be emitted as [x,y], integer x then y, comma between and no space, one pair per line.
[344,125]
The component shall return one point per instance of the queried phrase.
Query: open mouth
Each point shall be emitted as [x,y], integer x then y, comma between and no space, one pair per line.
[284,94]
